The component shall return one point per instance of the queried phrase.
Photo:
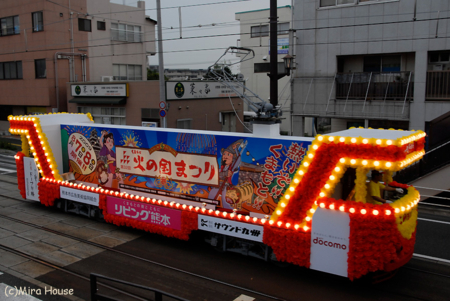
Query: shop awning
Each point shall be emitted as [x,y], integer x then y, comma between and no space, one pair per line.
[100,100]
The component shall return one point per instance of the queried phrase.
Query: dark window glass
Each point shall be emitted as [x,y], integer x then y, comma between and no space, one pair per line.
[9,26]
[1,71]
[434,57]
[84,25]
[40,68]
[372,64]
[11,70]
[19,69]
[445,57]
[260,31]
[38,21]
[101,25]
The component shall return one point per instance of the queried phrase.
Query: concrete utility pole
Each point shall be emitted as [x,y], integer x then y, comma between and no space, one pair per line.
[162,89]
[273,54]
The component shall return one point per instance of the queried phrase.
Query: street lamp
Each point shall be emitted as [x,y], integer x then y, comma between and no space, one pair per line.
[288,60]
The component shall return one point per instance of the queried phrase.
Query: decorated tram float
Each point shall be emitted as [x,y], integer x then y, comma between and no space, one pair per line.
[292,199]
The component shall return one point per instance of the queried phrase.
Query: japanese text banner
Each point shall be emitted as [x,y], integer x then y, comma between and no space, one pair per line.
[192,168]
[231,228]
[146,213]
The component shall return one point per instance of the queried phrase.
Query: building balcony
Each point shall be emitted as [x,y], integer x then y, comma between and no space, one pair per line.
[438,86]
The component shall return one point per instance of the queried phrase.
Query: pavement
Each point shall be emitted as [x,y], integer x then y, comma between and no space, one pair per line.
[61,251]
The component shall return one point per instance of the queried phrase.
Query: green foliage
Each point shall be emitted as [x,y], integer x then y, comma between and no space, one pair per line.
[154,75]
[218,70]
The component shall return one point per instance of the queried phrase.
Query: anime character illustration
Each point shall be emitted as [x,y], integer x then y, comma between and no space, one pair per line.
[102,173]
[228,173]
[107,145]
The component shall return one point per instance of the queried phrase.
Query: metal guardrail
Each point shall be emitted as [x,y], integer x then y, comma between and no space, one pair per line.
[433,159]
[438,85]
[96,296]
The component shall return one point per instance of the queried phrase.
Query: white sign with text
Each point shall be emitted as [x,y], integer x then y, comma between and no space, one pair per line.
[330,235]
[230,228]
[80,196]
[31,179]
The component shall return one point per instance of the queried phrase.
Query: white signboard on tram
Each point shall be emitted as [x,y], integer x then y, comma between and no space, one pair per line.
[330,235]
[31,179]
[230,228]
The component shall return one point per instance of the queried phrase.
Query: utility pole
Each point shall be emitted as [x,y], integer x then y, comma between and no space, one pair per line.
[273,54]
[162,89]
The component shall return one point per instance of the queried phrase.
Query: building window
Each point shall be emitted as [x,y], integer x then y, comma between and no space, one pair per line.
[126,33]
[101,25]
[265,67]
[9,26]
[260,31]
[84,24]
[40,68]
[184,123]
[325,3]
[106,115]
[11,70]
[283,28]
[127,72]
[38,21]
[391,63]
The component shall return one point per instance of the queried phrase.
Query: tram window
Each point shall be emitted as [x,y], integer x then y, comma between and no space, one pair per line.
[345,185]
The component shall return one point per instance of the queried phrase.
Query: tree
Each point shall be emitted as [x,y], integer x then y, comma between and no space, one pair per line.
[154,75]
[218,72]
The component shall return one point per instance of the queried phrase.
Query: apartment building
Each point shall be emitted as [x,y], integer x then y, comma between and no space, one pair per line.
[45,44]
[254,28]
[372,63]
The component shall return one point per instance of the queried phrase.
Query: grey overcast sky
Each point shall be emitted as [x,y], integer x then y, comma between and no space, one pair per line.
[217,18]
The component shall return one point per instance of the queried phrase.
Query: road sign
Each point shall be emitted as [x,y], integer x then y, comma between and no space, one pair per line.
[162,113]
[162,105]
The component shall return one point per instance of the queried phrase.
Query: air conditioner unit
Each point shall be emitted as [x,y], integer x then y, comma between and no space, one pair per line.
[107,78]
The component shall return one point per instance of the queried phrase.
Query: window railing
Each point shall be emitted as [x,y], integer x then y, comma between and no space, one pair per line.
[438,85]
[375,86]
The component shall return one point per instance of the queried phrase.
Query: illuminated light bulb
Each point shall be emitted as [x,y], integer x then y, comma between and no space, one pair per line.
[287,196]
[263,221]
[154,201]
[322,194]
[342,160]
[389,142]
[165,203]
[388,164]
[315,146]
[327,186]
[191,207]
[375,212]
[224,214]
[353,161]
[231,215]
[332,178]
[291,188]
[310,156]
[306,164]
[352,210]
[312,210]
[365,141]
[288,225]
[307,218]
[376,163]
[363,211]
[342,139]
[296,180]
[255,219]
[278,212]
[247,217]
[408,207]
[283,205]
[322,205]
[300,172]
[337,169]
[364,162]
[320,138]
[353,140]
[239,216]
[217,211]
[332,207]
[271,222]
[403,208]
[210,211]
[306,228]
[342,208]
[296,227]
[397,210]
[279,223]
[331,138]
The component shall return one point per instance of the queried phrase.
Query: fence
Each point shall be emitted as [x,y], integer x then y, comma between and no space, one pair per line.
[438,85]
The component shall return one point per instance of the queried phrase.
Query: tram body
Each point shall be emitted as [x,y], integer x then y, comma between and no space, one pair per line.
[281,193]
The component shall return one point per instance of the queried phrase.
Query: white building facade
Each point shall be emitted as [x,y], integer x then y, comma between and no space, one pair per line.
[371,63]
[254,28]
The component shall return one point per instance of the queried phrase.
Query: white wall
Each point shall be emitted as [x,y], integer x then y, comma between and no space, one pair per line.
[101,58]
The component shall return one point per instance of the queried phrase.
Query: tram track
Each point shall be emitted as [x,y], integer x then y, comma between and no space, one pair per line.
[148,261]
